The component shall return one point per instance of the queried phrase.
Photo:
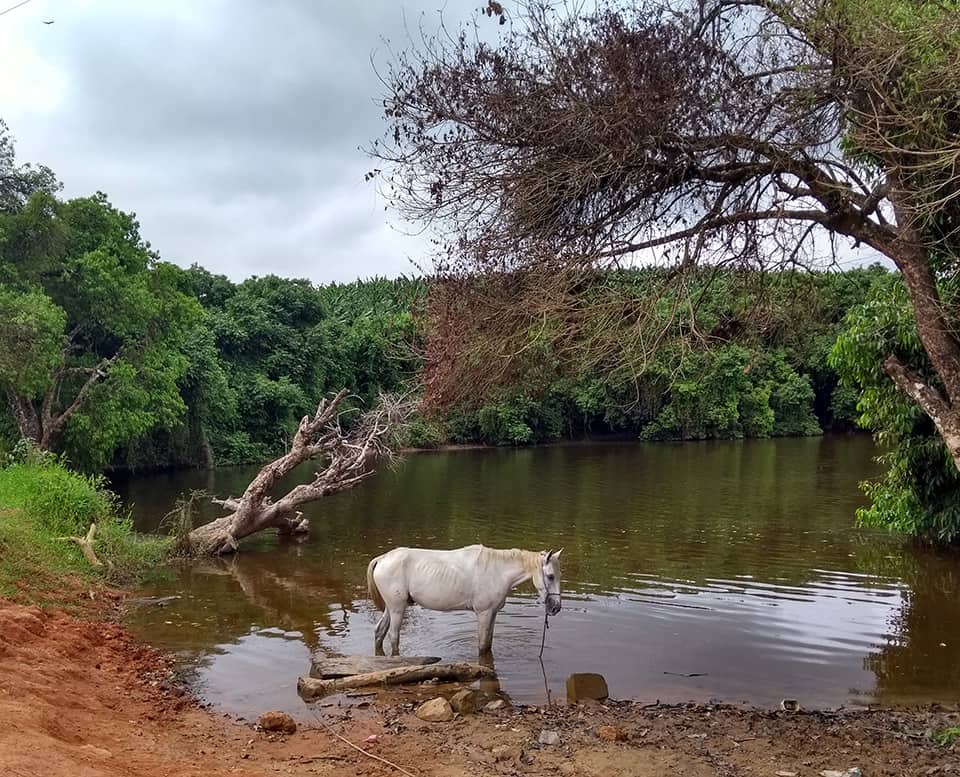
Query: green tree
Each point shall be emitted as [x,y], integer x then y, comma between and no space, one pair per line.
[31,336]
[105,321]
[920,490]
[19,182]
[283,344]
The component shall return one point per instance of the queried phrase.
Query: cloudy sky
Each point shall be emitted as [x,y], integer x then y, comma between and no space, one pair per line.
[230,127]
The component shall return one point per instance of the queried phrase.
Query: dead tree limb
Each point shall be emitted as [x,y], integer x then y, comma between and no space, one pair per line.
[348,459]
[86,545]
[334,668]
[308,688]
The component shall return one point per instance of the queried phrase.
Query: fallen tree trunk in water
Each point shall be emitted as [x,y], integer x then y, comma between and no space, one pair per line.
[348,460]
[327,668]
[310,689]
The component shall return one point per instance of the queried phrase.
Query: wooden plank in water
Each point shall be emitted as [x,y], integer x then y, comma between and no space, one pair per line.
[346,666]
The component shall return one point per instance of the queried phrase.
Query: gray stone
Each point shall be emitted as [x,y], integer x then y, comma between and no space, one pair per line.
[549,737]
[464,701]
[854,772]
[495,706]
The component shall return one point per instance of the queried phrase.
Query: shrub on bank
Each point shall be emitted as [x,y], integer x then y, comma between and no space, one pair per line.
[42,501]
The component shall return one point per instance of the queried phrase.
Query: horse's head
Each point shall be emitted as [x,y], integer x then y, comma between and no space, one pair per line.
[549,587]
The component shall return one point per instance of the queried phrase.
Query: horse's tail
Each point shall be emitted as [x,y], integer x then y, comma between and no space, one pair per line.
[372,586]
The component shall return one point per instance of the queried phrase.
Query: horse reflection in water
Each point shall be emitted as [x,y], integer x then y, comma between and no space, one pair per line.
[473,578]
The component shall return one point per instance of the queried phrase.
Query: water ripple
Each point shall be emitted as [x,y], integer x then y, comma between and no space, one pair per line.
[737,562]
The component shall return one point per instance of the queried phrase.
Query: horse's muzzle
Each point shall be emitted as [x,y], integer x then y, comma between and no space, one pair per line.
[553,604]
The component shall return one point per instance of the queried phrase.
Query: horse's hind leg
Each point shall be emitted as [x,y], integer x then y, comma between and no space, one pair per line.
[396,619]
[382,625]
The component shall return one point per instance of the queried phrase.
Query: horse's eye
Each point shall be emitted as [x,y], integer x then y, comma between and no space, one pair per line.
[549,577]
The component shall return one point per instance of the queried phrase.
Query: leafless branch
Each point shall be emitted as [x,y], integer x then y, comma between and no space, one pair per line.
[348,458]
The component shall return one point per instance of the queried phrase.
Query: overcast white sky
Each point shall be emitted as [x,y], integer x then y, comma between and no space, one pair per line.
[230,127]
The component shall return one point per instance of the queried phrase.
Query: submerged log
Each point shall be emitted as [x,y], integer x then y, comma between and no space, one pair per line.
[310,689]
[327,668]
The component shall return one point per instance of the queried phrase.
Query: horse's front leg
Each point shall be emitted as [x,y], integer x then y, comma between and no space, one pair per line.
[485,621]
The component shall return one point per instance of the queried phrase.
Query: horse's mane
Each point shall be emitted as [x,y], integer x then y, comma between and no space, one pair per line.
[529,559]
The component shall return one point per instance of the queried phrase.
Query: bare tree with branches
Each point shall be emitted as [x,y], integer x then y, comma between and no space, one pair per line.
[682,133]
[348,458]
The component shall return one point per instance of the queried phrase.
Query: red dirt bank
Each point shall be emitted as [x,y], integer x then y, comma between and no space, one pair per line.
[79,698]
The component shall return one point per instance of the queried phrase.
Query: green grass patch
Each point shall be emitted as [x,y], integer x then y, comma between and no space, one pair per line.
[946,736]
[41,500]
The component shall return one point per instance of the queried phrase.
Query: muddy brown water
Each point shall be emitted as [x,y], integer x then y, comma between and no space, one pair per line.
[727,570]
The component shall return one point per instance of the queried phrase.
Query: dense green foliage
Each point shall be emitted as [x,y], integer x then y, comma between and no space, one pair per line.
[29,339]
[270,348]
[759,370]
[260,354]
[40,502]
[92,326]
[207,370]
[912,51]
[920,491]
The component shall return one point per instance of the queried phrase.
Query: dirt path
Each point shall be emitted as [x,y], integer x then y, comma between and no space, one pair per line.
[79,698]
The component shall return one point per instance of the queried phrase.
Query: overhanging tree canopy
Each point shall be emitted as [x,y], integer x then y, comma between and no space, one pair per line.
[742,133]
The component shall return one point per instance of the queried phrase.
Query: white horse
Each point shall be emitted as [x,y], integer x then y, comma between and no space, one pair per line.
[471,578]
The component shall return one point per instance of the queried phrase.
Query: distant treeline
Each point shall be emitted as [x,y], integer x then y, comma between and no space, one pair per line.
[261,353]
[121,360]
[200,370]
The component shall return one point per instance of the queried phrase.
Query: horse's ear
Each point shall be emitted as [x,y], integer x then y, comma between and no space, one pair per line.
[557,554]
[549,556]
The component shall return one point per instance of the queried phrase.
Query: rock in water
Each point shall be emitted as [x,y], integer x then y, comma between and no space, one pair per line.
[277,721]
[586,686]
[435,711]
[464,701]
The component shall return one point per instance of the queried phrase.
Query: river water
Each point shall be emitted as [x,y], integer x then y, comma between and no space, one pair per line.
[694,571]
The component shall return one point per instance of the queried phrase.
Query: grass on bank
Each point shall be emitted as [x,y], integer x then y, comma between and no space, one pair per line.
[41,500]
